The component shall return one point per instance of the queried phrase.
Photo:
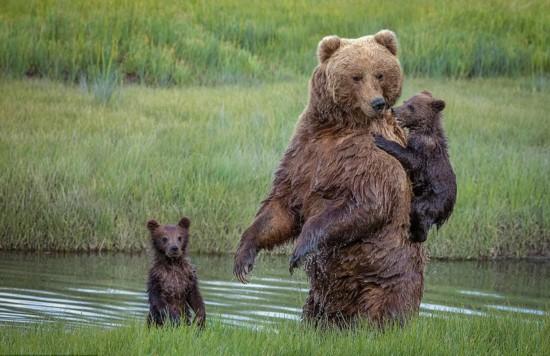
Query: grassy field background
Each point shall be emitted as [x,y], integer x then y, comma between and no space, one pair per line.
[232,41]
[86,160]
[79,175]
[423,336]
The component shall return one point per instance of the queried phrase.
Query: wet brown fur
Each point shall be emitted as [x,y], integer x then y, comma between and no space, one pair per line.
[426,160]
[344,201]
[173,287]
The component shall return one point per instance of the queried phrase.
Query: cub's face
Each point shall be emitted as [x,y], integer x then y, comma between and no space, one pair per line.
[362,73]
[170,240]
[419,112]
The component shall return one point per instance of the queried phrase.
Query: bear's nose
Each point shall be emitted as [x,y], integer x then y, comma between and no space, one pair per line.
[378,104]
[174,249]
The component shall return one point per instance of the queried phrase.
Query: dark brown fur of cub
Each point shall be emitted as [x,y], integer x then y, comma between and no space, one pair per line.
[173,287]
[426,159]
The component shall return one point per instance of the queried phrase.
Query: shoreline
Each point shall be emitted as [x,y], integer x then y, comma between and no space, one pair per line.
[264,254]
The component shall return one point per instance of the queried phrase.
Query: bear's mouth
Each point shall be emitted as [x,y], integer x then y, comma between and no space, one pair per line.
[370,113]
[173,254]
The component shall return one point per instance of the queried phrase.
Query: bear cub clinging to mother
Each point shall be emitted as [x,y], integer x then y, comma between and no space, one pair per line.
[173,287]
[426,160]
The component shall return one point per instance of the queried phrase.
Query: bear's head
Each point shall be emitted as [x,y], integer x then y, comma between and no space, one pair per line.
[360,75]
[420,112]
[169,240]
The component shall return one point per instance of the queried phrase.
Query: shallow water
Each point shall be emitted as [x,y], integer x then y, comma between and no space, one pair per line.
[109,289]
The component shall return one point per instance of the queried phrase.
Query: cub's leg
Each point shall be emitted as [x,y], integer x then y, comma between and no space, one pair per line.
[159,309]
[195,301]
[421,221]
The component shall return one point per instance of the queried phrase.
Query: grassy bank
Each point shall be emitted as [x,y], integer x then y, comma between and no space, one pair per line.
[231,41]
[79,175]
[429,336]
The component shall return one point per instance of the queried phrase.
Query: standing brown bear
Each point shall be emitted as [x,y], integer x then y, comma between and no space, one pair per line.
[345,201]
[173,287]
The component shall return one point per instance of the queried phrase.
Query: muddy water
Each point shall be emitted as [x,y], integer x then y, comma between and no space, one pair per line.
[109,289]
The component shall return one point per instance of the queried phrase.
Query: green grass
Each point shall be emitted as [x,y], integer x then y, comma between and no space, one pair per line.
[427,336]
[78,174]
[230,41]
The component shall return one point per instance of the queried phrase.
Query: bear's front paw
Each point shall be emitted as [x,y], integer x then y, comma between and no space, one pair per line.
[244,262]
[300,252]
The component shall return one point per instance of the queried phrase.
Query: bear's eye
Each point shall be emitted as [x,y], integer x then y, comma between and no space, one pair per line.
[357,78]
[164,239]
[179,238]
[379,76]
[411,108]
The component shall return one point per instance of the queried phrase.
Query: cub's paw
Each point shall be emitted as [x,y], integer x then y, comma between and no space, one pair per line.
[418,236]
[174,317]
[380,141]
[200,321]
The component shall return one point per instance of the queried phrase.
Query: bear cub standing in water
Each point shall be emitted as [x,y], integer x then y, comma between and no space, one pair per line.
[173,287]
[426,160]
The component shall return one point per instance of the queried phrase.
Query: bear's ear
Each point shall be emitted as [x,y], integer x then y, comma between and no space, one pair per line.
[327,47]
[184,222]
[152,225]
[425,92]
[387,39]
[438,105]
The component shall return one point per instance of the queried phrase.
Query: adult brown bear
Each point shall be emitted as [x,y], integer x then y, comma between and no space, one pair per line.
[345,201]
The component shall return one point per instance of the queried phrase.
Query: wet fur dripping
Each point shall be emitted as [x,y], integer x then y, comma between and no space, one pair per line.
[345,202]
[172,287]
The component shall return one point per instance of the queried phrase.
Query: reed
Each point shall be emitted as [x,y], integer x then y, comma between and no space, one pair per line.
[230,41]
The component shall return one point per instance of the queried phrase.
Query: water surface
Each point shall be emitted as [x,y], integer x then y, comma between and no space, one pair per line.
[109,289]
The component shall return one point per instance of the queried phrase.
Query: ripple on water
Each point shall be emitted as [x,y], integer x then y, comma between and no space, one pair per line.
[107,290]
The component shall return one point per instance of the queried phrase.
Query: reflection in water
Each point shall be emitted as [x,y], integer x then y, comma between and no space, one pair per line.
[109,289]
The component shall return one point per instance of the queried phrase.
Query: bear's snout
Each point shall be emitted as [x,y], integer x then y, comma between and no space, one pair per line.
[378,104]
[173,251]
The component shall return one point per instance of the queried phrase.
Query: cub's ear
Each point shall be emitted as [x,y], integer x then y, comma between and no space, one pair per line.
[184,222]
[152,225]
[327,47]
[425,92]
[387,39]
[438,105]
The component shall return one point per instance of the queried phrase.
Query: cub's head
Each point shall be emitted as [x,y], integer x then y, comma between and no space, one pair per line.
[419,112]
[170,240]
[362,74]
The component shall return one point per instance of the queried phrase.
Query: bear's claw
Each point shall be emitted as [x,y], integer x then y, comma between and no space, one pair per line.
[244,262]
[241,272]
[294,262]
